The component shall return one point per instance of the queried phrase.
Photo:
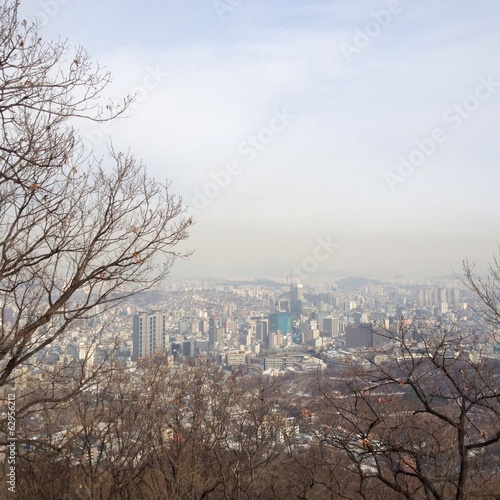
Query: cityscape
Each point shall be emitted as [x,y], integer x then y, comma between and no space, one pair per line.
[259,326]
[267,327]
[249,250]
[303,340]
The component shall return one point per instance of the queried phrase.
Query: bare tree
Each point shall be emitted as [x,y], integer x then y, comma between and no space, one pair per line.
[422,420]
[77,234]
[486,290]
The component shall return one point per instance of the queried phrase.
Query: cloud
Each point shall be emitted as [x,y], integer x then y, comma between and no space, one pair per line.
[221,81]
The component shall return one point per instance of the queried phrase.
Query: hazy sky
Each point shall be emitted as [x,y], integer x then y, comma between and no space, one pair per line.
[357,135]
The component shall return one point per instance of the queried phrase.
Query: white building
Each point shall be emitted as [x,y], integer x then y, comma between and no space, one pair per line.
[149,334]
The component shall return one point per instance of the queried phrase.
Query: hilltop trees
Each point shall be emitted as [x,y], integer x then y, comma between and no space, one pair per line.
[76,233]
[423,420]
[192,432]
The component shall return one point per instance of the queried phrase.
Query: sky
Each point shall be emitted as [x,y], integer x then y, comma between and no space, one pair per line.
[356,136]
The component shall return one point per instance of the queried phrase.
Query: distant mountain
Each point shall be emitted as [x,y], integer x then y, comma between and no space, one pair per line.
[269,269]
[272,270]
[355,282]
[431,268]
[186,269]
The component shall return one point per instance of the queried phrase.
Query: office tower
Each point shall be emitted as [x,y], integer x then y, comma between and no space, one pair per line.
[215,336]
[421,298]
[310,324]
[183,327]
[215,332]
[347,305]
[310,335]
[203,326]
[443,307]
[189,348]
[176,350]
[195,327]
[358,336]
[245,337]
[296,299]
[327,298]
[261,329]
[281,321]
[454,296]
[213,323]
[149,334]
[441,295]
[426,297]
[275,339]
[358,318]
[365,335]
[331,326]
[297,292]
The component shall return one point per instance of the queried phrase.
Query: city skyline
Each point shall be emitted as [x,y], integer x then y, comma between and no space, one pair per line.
[370,125]
[332,165]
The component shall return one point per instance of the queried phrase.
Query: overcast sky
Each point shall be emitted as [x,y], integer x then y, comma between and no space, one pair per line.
[367,129]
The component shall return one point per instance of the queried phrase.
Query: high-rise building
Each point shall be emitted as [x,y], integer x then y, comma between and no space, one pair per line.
[274,339]
[331,326]
[296,299]
[214,323]
[310,335]
[327,298]
[347,305]
[149,334]
[443,307]
[359,336]
[215,336]
[364,335]
[281,321]
[261,329]
[454,296]
[425,297]
[189,348]
[441,295]
[245,337]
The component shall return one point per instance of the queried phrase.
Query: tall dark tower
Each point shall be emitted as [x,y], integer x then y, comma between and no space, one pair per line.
[296,299]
